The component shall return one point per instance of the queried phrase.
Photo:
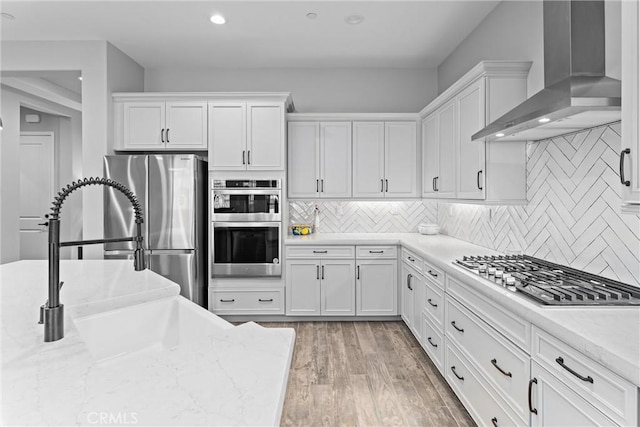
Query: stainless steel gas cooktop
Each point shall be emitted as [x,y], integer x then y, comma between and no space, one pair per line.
[549,283]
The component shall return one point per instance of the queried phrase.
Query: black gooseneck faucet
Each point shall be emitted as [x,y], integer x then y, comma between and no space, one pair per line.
[52,312]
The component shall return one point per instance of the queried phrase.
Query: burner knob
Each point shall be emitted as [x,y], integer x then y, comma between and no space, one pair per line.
[492,271]
[482,268]
[499,273]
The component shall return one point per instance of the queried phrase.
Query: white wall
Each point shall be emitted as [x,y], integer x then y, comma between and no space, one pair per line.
[363,90]
[514,31]
[99,76]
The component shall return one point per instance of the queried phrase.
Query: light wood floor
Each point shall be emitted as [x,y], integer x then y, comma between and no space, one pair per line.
[365,374]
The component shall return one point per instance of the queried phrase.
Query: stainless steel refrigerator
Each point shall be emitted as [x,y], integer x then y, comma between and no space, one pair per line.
[172,192]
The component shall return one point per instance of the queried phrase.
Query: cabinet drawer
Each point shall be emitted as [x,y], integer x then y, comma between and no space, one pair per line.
[434,304]
[321,252]
[433,342]
[364,252]
[412,259]
[478,397]
[501,362]
[245,301]
[514,328]
[608,392]
[434,273]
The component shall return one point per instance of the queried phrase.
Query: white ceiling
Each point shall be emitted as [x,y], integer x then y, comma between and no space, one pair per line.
[258,34]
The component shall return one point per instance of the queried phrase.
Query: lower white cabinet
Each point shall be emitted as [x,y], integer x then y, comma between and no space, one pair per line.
[321,287]
[413,293]
[376,281]
[554,403]
[246,301]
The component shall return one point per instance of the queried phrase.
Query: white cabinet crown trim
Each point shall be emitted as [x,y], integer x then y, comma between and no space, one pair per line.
[347,117]
[208,96]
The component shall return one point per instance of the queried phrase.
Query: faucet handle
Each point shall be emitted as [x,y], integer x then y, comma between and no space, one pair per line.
[41,321]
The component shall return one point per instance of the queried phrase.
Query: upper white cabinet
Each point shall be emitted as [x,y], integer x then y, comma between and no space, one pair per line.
[160,125]
[384,159]
[630,150]
[319,159]
[454,166]
[246,136]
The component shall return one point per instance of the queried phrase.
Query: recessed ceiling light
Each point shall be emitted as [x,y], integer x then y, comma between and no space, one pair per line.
[8,16]
[544,120]
[312,15]
[80,78]
[354,19]
[218,19]
[499,135]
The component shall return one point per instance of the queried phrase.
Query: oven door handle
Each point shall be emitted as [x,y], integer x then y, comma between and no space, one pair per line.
[238,224]
[247,191]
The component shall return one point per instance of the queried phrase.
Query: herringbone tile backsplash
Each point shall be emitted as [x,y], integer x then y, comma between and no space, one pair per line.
[572,216]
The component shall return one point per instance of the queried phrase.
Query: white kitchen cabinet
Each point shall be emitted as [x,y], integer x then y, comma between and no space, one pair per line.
[630,150]
[246,136]
[319,159]
[554,403]
[161,125]
[412,293]
[384,159]
[376,281]
[455,166]
[320,286]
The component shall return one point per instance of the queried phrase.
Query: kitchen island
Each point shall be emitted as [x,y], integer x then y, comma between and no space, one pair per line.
[205,371]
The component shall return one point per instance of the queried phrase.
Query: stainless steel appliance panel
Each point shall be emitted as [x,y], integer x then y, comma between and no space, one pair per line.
[246,205]
[173,202]
[182,268]
[118,212]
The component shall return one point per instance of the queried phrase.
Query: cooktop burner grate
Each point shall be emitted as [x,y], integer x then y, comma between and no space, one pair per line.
[549,283]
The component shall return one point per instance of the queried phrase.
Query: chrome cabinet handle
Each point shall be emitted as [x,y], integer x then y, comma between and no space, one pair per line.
[453,323]
[167,132]
[227,300]
[431,342]
[409,276]
[358,273]
[431,304]
[478,180]
[243,158]
[376,252]
[319,252]
[453,369]
[386,183]
[494,362]
[494,420]
[322,273]
[622,180]
[249,157]
[560,362]
[317,185]
[162,135]
[410,259]
[437,178]
[432,273]
[265,300]
[322,185]
[381,185]
[433,183]
[532,381]
[317,272]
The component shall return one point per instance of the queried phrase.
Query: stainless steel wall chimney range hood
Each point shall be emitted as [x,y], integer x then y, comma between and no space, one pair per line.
[577,93]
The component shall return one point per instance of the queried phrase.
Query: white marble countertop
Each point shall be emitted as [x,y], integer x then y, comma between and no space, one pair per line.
[610,336]
[233,376]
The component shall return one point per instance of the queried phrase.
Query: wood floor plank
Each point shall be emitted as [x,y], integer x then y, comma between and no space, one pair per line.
[355,359]
[365,406]
[365,337]
[381,386]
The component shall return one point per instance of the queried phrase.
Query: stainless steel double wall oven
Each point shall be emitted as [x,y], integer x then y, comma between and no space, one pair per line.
[246,226]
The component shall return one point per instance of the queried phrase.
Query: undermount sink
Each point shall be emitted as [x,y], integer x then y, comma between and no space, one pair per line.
[154,326]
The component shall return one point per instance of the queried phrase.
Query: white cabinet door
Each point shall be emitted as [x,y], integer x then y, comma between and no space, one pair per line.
[430,154]
[471,155]
[400,159]
[186,125]
[338,293]
[304,159]
[631,102]
[445,181]
[335,159]
[368,159]
[417,283]
[376,287]
[144,124]
[265,143]
[227,136]
[407,295]
[557,404]
[303,287]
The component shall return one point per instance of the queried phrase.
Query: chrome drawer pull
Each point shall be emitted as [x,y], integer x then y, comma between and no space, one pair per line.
[227,300]
[622,180]
[430,342]
[358,273]
[494,420]
[410,259]
[453,369]
[532,381]
[409,276]
[588,379]
[319,252]
[376,252]
[432,273]
[265,300]
[453,323]
[494,362]
[431,304]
